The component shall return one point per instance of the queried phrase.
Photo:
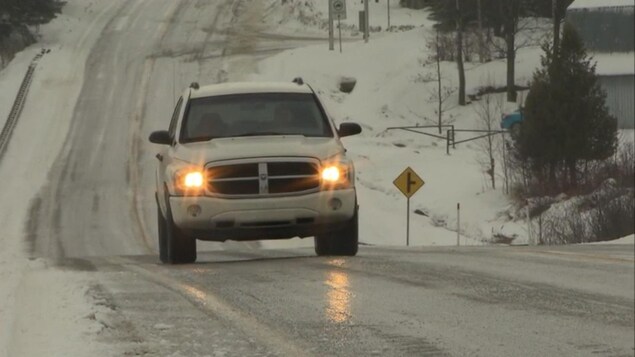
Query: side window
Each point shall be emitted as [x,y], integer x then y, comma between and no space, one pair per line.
[175,119]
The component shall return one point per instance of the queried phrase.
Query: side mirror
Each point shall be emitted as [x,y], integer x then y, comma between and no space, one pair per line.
[348,129]
[161,137]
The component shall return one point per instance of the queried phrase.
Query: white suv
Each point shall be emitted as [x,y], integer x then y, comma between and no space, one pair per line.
[252,161]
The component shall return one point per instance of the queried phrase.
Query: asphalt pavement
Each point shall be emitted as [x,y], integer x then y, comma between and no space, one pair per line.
[491,301]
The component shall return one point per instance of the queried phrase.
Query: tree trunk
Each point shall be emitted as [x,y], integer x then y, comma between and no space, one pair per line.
[440,98]
[459,54]
[482,50]
[510,40]
[508,11]
[490,146]
[552,174]
[573,177]
[492,167]
[556,27]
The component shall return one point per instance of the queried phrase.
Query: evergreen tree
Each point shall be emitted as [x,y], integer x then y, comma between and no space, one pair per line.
[17,13]
[566,118]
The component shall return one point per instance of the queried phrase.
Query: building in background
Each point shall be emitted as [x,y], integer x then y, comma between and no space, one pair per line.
[607,28]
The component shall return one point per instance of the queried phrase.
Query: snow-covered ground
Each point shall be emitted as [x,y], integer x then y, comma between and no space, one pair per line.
[45,297]
[389,92]
[624,240]
[311,16]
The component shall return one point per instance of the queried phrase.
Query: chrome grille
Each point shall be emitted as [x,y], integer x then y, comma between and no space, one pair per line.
[265,178]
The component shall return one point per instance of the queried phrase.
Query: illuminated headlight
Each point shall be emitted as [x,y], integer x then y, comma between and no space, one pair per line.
[331,174]
[337,173]
[193,180]
[190,181]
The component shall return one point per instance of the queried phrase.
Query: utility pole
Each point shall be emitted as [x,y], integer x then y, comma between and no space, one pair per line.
[366,25]
[339,29]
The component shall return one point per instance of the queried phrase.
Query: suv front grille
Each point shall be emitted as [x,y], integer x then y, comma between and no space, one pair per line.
[263,178]
[233,171]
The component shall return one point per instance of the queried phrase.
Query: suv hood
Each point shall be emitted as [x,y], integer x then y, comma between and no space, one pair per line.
[258,146]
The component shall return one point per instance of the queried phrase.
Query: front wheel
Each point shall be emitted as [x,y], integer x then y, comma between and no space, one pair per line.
[342,242]
[162,225]
[174,246]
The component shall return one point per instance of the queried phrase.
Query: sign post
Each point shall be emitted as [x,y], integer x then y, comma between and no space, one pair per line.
[338,8]
[458,224]
[339,29]
[408,182]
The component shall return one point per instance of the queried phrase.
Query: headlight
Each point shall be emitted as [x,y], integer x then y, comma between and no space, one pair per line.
[189,181]
[193,180]
[337,173]
[331,174]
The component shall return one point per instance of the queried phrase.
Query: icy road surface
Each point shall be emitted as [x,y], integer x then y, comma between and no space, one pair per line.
[505,301]
[96,215]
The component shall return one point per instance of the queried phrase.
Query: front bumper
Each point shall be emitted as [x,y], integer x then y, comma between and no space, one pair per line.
[220,219]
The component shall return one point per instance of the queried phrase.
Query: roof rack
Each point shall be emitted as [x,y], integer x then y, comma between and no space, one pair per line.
[298,80]
[195,86]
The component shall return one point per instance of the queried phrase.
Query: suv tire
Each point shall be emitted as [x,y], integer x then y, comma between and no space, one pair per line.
[343,242]
[174,246]
[162,225]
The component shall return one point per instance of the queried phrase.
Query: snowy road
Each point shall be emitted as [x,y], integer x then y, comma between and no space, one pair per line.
[522,301]
[91,200]
[96,215]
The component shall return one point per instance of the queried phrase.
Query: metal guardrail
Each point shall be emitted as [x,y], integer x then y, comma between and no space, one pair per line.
[18,105]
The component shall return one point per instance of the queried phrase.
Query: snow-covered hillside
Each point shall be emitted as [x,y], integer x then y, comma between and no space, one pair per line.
[392,90]
[389,93]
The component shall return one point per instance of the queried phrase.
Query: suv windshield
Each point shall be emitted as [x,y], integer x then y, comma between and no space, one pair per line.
[254,114]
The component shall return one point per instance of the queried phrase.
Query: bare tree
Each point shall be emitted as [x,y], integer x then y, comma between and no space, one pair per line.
[556,26]
[512,24]
[558,12]
[440,93]
[510,13]
[483,49]
[488,117]
[441,98]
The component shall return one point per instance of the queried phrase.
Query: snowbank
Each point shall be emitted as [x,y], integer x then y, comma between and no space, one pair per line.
[312,16]
[36,142]
[624,240]
[613,64]
[587,4]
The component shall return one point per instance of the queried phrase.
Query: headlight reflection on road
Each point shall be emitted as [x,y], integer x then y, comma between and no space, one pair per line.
[197,294]
[338,297]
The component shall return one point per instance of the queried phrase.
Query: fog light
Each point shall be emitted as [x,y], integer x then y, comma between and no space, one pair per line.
[335,204]
[194,210]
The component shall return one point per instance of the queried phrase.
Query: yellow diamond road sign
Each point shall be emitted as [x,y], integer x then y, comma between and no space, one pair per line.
[408,182]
